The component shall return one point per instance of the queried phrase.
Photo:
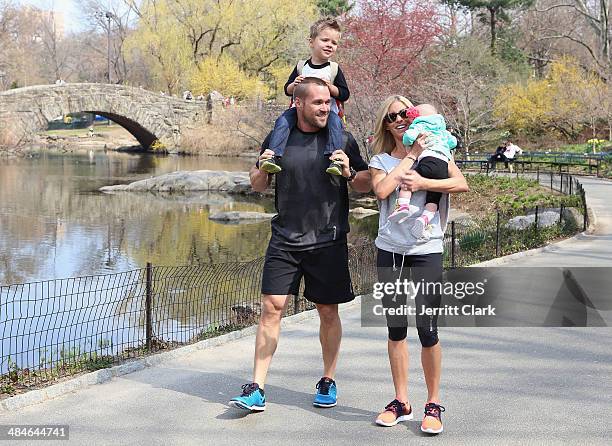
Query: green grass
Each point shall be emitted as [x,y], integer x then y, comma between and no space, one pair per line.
[103,128]
[581,148]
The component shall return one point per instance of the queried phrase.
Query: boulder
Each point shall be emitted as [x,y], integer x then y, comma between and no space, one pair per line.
[366,200]
[198,180]
[360,212]
[546,217]
[236,216]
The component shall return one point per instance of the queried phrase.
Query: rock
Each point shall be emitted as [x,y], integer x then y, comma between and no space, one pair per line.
[233,216]
[546,217]
[360,212]
[246,314]
[460,218]
[198,180]
[366,200]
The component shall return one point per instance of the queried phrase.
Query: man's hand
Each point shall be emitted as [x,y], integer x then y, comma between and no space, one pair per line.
[266,155]
[341,158]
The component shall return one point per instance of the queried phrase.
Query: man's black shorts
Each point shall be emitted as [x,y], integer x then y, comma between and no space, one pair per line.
[325,271]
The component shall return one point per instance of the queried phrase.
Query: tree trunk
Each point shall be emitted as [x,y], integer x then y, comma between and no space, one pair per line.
[605,35]
[492,13]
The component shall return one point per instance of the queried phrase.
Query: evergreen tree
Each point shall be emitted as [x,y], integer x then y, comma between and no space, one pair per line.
[492,12]
[333,8]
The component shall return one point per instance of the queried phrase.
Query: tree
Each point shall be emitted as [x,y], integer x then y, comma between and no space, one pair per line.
[114,18]
[587,28]
[224,75]
[177,36]
[7,32]
[462,81]
[497,11]
[334,8]
[384,42]
[564,103]
[56,54]
[161,43]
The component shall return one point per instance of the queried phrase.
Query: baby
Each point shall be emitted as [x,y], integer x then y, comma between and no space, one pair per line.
[433,163]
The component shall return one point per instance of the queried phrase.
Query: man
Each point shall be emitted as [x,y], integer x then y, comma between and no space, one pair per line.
[308,238]
[498,156]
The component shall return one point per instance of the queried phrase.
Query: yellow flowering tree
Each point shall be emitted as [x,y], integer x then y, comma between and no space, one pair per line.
[564,102]
[225,76]
[186,40]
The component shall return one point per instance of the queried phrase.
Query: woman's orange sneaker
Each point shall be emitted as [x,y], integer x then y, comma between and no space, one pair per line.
[432,422]
[395,412]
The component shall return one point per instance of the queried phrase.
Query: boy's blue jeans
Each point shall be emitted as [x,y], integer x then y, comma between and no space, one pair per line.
[288,120]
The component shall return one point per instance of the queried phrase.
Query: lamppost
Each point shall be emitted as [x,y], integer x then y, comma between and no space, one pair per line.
[109,16]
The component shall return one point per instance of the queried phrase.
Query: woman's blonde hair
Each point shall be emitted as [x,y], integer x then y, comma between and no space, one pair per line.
[383,141]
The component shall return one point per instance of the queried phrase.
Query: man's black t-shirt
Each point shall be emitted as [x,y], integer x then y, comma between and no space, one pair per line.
[312,205]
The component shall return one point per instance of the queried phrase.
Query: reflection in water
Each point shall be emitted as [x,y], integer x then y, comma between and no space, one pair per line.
[55,224]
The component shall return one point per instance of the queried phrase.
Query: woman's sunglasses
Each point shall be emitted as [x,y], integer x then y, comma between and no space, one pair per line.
[391,117]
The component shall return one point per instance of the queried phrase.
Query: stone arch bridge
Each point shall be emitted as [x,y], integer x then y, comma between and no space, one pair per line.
[148,116]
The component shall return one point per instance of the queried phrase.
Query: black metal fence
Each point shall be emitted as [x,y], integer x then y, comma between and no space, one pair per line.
[510,231]
[58,327]
[54,328]
[600,166]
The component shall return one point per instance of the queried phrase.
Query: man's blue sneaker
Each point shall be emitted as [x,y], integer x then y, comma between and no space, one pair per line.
[326,393]
[253,398]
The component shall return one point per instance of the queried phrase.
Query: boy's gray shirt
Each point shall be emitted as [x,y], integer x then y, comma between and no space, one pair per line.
[396,238]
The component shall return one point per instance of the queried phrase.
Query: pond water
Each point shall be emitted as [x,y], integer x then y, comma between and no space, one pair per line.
[54,224]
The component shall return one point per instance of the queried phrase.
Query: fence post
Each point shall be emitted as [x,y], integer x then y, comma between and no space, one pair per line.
[497,238]
[561,214]
[538,173]
[584,207]
[453,240]
[571,184]
[598,162]
[148,298]
[551,179]
[536,219]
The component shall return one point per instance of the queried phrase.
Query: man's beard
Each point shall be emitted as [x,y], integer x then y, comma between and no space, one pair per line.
[315,122]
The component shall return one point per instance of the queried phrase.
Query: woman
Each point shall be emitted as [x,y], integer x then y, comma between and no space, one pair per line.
[399,252]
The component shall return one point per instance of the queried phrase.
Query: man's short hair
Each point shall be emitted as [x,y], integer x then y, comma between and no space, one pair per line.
[320,25]
[301,90]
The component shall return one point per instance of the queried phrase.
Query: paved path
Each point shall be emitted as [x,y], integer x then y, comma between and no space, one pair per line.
[500,385]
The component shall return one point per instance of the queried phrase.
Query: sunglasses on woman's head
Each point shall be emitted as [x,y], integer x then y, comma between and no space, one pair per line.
[391,117]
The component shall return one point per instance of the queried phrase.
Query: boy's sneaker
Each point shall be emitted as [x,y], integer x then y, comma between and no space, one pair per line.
[432,422]
[418,227]
[326,393]
[394,413]
[402,212]
[334,168]
[253,398]
[270,165]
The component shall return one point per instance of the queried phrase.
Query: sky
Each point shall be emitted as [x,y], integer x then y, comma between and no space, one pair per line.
[72,20]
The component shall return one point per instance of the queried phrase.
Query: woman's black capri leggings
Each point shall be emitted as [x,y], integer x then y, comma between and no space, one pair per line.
[426,268]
